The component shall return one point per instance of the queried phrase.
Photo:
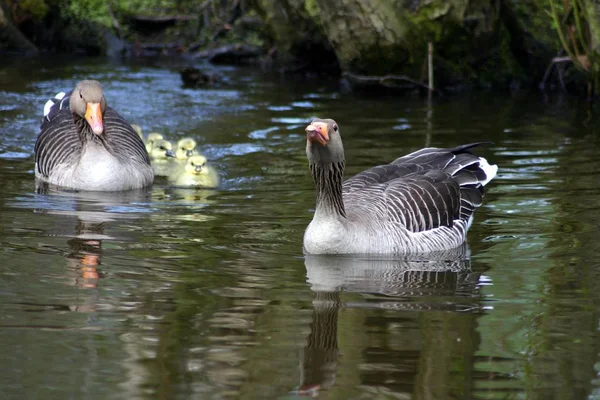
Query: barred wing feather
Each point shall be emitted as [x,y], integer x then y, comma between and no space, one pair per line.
[424,190]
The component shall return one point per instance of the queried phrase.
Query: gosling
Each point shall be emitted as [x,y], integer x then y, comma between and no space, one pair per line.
[195,173]
[138,130]
[186,148]
[152,137]
[160,155]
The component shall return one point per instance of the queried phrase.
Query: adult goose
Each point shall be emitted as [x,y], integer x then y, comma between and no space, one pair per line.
[86,145]
[419,203]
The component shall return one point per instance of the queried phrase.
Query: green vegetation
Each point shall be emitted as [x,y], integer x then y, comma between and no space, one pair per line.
[574,21]
[484,43]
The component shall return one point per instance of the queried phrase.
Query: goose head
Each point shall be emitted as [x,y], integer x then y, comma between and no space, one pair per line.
[87,101]
[196,165]
[323,142]
[185,148]
[161,150]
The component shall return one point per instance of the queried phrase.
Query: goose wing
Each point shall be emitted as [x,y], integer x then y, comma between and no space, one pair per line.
[57,143]
[424,190]
[121,135]
[423,201]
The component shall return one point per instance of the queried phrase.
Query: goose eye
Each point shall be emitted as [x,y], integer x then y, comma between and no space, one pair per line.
[162,148]
[80,95]
[335,127]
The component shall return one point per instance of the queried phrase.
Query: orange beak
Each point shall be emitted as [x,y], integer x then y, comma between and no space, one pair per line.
[93,116]
[317,131]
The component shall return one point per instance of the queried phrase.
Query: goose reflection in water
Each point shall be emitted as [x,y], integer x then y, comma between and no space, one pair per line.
[420,349]
[85,253]
[93,211]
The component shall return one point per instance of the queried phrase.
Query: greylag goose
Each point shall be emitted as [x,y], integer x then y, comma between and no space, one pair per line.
[195,173]
[419,203]
[86,145]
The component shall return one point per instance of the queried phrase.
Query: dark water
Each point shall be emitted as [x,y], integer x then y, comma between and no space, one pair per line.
[180,294]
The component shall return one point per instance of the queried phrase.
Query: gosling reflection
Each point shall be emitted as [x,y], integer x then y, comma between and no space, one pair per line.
[406,347]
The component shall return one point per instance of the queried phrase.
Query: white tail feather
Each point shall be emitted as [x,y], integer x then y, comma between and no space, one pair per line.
[47,107]
[490,170]
[59,96]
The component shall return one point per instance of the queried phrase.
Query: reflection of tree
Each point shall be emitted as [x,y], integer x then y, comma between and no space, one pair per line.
[408,328]
[562,335]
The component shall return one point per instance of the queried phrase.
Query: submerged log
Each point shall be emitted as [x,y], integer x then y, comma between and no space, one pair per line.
[389,81]
[195,78]
[231,54]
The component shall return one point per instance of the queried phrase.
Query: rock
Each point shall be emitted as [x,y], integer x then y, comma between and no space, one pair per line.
[195,78]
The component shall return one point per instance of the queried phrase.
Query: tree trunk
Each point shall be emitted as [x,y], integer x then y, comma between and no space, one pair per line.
[297,33]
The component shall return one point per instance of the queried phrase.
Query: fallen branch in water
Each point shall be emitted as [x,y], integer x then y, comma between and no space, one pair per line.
[388,80]
[235,52]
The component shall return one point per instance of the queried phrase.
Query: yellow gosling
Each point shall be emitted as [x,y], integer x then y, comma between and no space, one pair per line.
[195,173]
[138,130]
[185,148]
[161,154]
[152,137]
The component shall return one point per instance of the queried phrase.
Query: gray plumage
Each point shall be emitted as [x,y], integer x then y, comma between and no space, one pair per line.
[421,202]
[77,150]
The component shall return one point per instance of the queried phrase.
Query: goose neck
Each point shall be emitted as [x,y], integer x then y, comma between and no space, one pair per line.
[328,182]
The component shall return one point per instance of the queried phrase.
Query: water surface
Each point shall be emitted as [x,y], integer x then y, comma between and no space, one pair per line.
[187,294]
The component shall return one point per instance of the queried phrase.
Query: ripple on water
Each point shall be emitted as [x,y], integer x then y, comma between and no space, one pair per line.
[279,108]
[291,120]
[14,154]
[262,133]
[304,104]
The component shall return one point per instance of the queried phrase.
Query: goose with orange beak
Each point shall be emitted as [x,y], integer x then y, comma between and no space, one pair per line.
[422,202]
[86,145]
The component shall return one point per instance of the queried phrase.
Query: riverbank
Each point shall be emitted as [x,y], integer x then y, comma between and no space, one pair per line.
[391,44]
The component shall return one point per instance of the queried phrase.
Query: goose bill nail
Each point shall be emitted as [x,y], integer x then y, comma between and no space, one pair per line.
[93,116]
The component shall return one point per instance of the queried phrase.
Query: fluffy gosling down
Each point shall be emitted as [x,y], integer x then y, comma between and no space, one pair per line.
[195,173]
[161,154]
[186,147]
[152,137]
[138,130]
